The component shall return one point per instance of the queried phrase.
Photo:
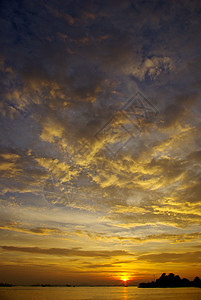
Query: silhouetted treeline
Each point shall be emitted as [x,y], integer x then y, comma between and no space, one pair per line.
[5,284]
[171,280]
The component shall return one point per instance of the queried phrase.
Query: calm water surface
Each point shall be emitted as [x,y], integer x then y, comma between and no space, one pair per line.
[96,293]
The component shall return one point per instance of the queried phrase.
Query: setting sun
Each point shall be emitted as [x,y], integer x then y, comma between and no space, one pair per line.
[125,279]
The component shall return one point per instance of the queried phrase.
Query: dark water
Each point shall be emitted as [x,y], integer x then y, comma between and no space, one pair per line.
[96,293]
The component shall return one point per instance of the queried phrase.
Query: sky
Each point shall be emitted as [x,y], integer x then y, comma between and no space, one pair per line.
[100,154]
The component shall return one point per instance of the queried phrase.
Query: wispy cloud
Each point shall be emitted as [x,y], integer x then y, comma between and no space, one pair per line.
[67,252]
[188,257]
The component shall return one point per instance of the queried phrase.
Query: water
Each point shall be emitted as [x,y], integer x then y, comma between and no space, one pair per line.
[97,293]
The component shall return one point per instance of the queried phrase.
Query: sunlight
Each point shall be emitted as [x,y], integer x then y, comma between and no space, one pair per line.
[125,277]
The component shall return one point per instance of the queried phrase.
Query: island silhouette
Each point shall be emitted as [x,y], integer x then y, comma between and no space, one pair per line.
[171,280]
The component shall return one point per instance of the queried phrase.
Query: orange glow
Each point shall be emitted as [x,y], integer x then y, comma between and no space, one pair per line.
[125,278]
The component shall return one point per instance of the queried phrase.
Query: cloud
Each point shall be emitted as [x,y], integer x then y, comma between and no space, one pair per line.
[195,156]
[187,257]
[179,111]
[67,252]
[152,67]
[8,164]
[58,14]
[36,230]
[171,237]
[191,193]
[96,266]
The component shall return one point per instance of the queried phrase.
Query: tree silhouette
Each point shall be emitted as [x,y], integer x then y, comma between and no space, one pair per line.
[171,280]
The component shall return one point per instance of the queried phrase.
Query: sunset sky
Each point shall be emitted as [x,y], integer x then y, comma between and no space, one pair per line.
[96,188]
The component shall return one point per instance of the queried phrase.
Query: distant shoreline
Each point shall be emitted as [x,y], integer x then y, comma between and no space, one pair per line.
[164,281]
[44,285]
[92,286]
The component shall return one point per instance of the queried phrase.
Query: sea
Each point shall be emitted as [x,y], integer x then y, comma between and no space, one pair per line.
[98,293]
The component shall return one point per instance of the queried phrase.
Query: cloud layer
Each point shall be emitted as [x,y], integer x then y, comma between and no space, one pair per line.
[100,131]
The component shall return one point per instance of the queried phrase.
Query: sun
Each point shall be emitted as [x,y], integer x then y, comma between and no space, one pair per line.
[124,278]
